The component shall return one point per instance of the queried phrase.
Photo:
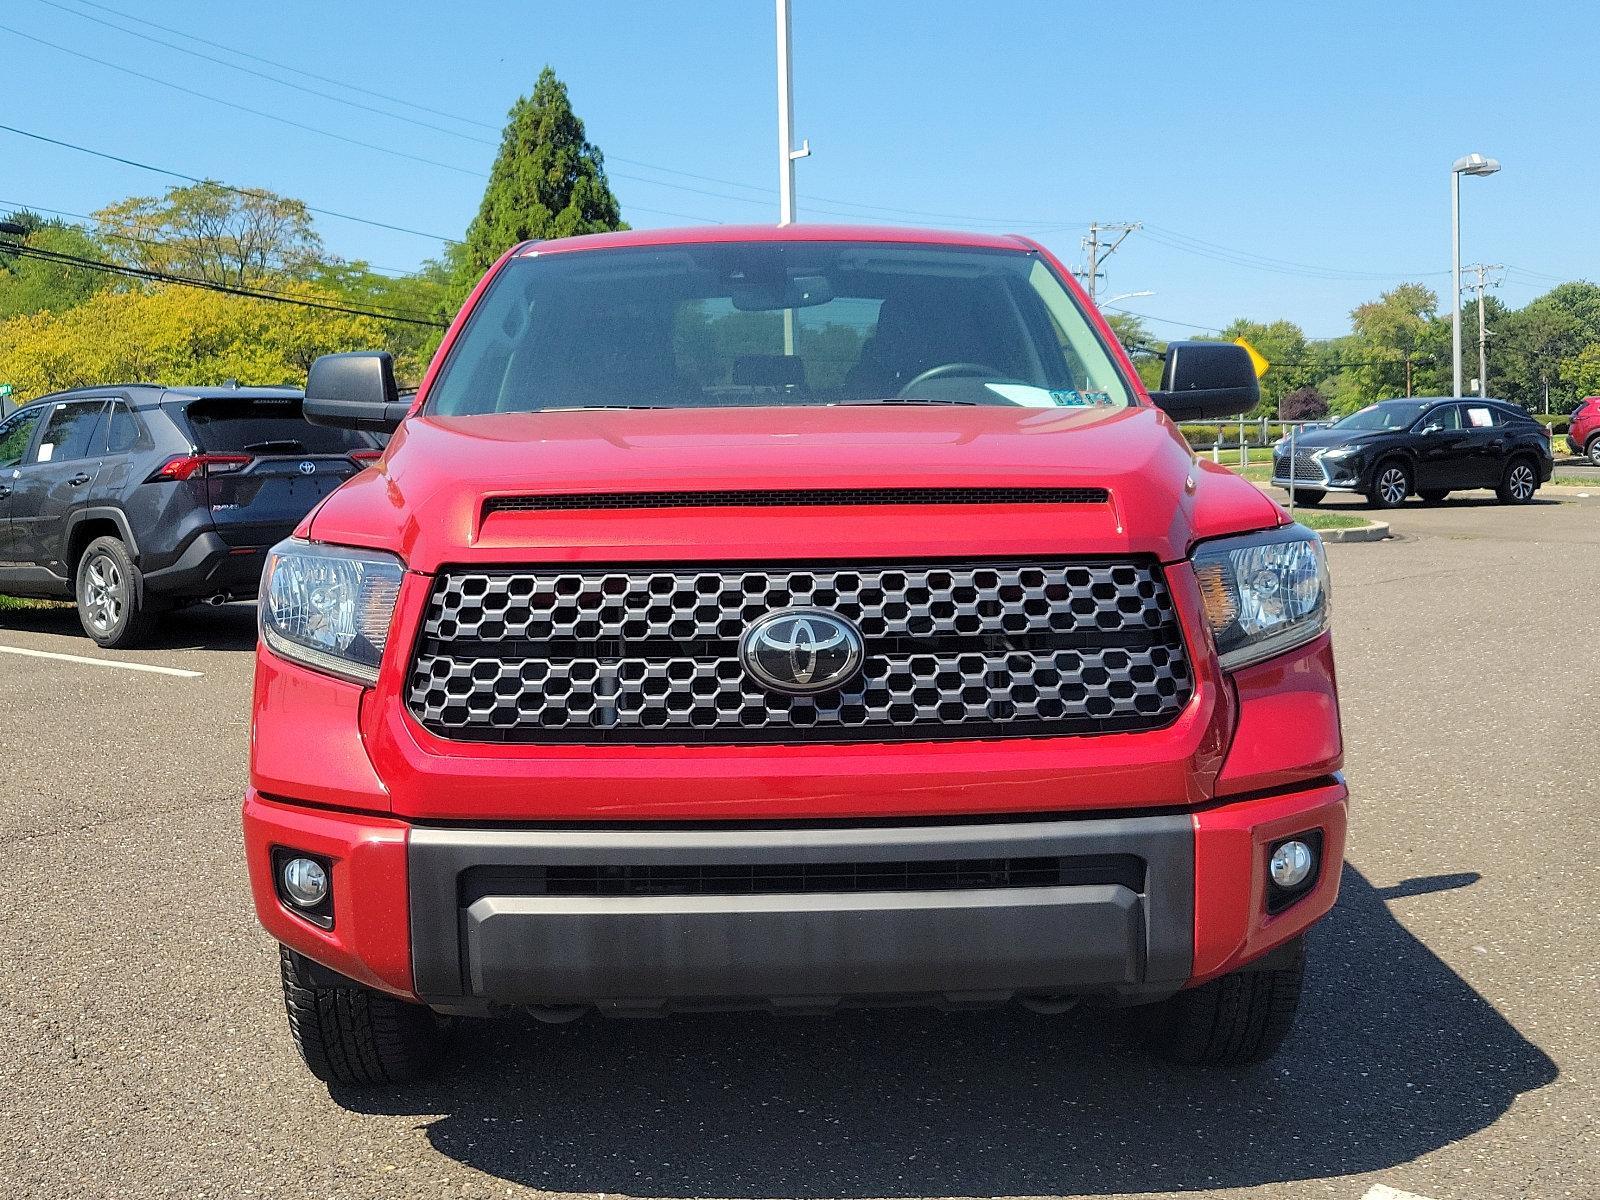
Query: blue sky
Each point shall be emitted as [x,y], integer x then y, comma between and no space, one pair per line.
[1287,159]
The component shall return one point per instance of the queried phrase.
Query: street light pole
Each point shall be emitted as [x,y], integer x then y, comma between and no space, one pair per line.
[1455,278]
[1471,164]
[787,154]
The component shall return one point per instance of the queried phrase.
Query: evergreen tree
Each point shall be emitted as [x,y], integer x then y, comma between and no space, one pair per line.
[548,181]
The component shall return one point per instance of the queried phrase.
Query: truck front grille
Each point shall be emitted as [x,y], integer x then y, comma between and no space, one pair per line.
[650,654]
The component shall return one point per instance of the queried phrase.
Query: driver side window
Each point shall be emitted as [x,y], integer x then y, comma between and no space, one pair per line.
[16,434]
[1447,417]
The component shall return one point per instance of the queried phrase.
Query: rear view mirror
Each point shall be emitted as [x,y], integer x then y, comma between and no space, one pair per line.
[1207,380]
[354,391]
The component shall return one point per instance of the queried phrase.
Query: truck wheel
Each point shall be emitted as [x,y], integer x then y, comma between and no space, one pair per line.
[1519,483]
[108,591]
[1238,1019]
[354,1034]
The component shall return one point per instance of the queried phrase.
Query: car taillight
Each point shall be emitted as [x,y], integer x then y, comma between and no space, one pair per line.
[187,466]
[365,458]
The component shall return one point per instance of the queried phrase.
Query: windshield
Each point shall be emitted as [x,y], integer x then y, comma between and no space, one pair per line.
[769,323]
[1392,414]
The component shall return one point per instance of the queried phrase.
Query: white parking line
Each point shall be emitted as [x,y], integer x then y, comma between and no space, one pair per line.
[1382,1191]
[104,662]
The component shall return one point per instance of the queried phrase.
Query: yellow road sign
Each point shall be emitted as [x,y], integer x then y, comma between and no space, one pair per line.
[1257,359]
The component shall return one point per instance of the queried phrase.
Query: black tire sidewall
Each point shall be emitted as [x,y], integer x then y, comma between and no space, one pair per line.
[1375,495]
[1504,493]
[128,624]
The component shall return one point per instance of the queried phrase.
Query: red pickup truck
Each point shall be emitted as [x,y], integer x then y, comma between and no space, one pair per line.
[790,618]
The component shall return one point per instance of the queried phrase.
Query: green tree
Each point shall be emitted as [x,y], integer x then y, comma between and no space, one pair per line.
[548,181]
[425,295]
[1391,333]
[1283,344]
[34,285]
[208,231]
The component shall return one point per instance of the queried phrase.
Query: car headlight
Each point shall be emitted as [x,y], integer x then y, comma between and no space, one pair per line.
[330,607]
[1340,452]
[1264,593]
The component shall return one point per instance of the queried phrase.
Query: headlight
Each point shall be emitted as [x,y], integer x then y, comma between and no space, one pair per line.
[1340,452]
[330,607]
[1264,593]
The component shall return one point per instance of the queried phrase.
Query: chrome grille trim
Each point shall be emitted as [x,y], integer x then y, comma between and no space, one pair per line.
[648,654]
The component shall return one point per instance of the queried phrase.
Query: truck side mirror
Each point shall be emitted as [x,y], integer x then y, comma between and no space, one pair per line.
[354,391]
[1206,380]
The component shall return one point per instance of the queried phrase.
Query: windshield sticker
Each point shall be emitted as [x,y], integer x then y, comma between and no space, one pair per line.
[1025,395]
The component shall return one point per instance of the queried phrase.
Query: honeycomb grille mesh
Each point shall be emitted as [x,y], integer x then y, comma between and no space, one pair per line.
[640,655]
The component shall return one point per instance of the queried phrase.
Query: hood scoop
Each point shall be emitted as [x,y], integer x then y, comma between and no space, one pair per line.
[794,498]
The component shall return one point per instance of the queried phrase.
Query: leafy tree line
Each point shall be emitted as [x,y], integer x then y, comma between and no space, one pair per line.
[1544,356]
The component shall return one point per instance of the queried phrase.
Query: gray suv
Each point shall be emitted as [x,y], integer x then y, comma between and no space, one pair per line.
[135,498]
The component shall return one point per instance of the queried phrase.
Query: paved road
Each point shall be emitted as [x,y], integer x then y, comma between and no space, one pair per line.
[1447,1047]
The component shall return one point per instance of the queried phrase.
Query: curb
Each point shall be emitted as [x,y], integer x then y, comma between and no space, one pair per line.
[1375,531]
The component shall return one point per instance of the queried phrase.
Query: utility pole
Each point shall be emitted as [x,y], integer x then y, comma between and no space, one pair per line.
[1482,271]
[1099,249]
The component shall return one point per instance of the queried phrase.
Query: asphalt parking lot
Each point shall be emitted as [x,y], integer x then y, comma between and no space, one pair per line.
[1447,1047]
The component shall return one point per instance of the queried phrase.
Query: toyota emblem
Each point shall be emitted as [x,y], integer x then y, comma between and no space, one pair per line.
[308,468]
[800,651]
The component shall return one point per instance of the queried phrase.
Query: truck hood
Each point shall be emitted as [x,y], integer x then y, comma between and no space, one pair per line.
[428,501]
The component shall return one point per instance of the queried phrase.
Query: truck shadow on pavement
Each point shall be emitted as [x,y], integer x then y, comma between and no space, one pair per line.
[1394,1056]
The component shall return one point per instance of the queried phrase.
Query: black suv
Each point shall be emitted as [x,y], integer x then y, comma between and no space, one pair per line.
[134,498]
[1431,446]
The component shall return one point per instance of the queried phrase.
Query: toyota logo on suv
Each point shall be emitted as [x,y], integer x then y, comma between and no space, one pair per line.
[800,651]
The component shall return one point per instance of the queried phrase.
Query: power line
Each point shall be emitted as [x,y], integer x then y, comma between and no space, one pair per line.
[834,203]
[299,87]
[286,67]
[1091,274]
[143,166]
[244,108]
[89,264]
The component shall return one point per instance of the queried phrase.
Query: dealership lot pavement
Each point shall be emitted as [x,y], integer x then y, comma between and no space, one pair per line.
[1447,1048]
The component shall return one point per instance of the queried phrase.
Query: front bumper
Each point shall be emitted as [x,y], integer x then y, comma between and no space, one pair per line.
[465,918]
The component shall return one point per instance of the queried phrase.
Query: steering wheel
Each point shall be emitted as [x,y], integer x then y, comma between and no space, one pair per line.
[963,370]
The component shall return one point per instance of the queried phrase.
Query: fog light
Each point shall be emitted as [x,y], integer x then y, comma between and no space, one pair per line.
[1291,864]
[305,882]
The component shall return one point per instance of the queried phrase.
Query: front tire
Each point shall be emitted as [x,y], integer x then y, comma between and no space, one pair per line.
[108,589]
[356,1035]
[1391,484]
[1520,482]
[1239,1019]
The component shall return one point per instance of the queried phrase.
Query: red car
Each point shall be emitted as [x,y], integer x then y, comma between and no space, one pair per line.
[1583,431]
[788,618]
